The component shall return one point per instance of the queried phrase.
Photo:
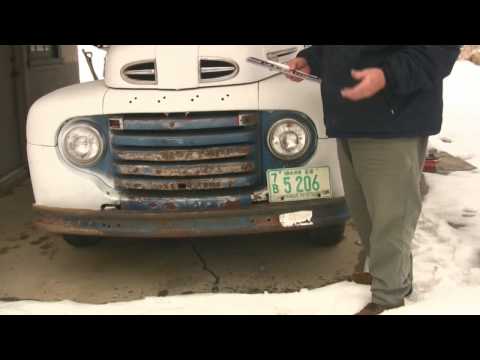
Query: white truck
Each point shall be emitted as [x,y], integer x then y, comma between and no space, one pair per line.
[183,141]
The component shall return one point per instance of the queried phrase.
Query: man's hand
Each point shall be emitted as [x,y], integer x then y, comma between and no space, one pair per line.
[371,82]
[299,64]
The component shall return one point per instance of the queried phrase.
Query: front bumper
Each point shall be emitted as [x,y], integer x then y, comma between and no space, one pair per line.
[257,218]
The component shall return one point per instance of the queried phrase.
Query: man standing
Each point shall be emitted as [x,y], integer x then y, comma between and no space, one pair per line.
[382,103]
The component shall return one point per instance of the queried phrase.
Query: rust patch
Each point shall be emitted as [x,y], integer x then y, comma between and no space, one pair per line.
[184,184]
[260,196]
[187,170]
[232,204]
[223,152]
[170,206]
[259,218]
[62,226]
[139,203]
[270,221]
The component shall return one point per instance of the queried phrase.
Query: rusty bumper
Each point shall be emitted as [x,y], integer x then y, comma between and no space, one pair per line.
[257,218]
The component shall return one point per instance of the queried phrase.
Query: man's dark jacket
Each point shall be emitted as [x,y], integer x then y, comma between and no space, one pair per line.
[410,105]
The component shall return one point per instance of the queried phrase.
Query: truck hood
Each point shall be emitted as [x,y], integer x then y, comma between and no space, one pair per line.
[176,67]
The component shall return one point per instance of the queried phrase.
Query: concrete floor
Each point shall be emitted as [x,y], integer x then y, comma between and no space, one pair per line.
[41,266]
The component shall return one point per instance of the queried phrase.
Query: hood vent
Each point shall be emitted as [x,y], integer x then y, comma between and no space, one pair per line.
[279,55]
[142,72]
[217,69]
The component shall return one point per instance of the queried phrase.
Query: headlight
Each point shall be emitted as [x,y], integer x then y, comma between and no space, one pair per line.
[289,139]
[81,144]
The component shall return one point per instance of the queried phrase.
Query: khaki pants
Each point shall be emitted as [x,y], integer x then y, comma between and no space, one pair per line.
[382,187]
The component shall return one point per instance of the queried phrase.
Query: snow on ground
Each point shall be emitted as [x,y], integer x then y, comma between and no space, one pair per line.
[446,245]
[328,300]
[447,241]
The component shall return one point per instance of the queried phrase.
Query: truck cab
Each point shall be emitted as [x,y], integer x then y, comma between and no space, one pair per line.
[185,141]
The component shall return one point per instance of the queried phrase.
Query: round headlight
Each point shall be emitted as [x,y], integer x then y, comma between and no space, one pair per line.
[289,139]
[81,144]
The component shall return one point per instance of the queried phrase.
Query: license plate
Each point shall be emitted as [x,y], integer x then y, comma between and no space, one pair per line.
[298,184]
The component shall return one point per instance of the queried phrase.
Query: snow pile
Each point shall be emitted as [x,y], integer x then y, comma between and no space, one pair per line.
[446,245]
[325,301]
[461,114]
[447,242]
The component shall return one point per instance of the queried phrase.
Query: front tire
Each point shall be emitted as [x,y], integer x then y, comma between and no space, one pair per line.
[81,241]
[327,236]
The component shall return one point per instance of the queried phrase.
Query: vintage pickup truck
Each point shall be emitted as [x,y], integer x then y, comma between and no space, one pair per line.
[185,141]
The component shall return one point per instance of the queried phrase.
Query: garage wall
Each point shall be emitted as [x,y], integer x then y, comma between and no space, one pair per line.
[22,82]
[10,155]
[40,78]
[44,78]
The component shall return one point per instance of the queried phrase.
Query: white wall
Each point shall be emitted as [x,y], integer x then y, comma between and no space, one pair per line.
[98,62]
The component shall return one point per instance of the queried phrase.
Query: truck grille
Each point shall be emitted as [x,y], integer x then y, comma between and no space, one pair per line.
[199,152]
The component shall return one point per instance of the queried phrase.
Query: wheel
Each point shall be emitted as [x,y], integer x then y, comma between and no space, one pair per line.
[81,241]
[327,236]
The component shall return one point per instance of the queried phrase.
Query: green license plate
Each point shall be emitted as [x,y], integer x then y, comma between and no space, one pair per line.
[298,184]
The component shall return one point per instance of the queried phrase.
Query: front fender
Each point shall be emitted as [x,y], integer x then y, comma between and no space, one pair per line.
[49,112]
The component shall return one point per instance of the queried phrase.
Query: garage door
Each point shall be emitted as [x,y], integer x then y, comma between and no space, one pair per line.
[10,155]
